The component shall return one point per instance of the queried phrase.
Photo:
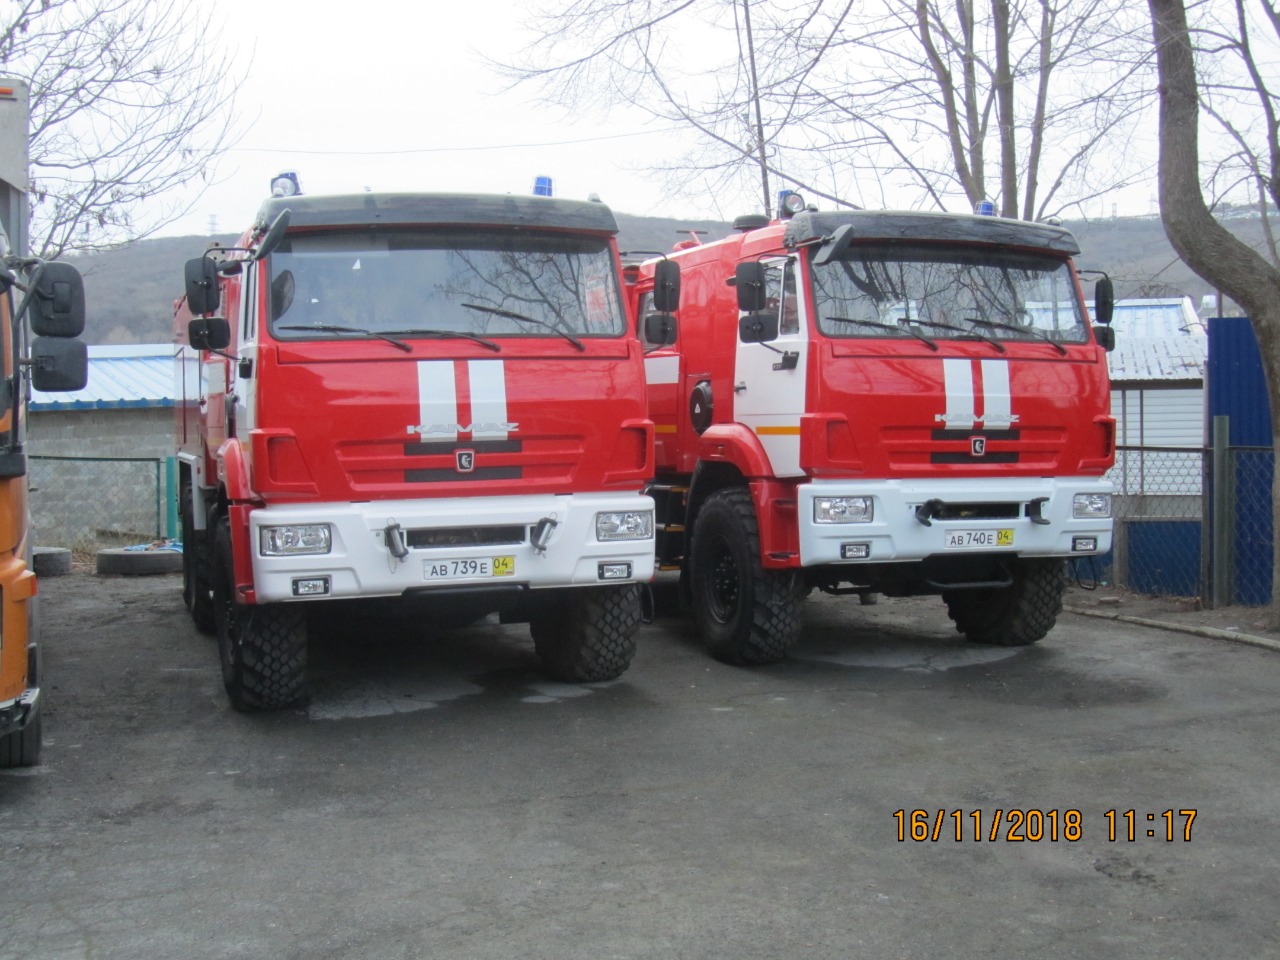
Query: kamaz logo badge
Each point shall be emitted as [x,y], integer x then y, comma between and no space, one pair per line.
[978,446]
[466,460]
[424,430]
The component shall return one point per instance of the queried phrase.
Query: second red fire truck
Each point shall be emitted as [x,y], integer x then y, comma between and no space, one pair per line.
[873,402]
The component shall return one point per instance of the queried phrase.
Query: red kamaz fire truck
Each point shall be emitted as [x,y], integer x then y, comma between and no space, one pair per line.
[432,397]
[878,403]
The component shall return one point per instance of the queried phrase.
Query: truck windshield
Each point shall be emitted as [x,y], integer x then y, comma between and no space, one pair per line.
[905,290]
[473,283]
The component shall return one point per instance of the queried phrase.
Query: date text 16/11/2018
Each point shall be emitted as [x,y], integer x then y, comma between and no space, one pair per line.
[1032,824]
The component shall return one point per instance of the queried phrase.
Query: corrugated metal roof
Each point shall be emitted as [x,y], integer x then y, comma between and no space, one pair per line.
[1145,319]
[133,375]
[1158,340]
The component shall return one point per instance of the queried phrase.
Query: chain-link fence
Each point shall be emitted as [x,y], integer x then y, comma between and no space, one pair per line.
[1190,523]
[87,503]
[1159,507]
[1245,543]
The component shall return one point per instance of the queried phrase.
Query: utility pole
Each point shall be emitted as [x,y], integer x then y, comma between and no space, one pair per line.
[755,100]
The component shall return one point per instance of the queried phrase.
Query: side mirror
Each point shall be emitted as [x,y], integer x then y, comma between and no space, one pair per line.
[59,364]
[57,301]
[1104,300]
[1106,337]
[666,286]
[749,279]
[209,333]
[203,294]
[659,329]
[273,236]
[758,328]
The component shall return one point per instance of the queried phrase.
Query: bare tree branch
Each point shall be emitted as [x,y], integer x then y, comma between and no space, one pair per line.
[126,104]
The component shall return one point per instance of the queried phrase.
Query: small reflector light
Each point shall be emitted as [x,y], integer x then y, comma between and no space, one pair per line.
[855,551]
[614,571]
[1084,544]
[6,91]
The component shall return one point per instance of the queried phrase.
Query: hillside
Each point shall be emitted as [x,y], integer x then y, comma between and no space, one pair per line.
[130,291]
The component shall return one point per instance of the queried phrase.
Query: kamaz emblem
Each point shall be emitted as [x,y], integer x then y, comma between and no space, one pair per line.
[466,460]
[425,430]
[978,446]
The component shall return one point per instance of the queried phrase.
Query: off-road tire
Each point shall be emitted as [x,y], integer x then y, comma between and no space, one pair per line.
[746,614]
[592,638]
[262,647]
[1013,616]
[22,747]
[197,591]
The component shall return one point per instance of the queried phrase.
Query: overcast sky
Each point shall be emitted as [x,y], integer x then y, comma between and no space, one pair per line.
[385,95]
[388,96]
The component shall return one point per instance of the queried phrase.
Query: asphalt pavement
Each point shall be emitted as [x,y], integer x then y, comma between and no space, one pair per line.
[892,791]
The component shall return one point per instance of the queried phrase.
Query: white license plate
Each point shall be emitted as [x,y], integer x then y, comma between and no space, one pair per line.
[977,539]
[470,568]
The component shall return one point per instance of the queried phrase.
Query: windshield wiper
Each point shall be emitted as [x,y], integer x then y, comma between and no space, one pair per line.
[1017,329]
[447,335]
[964,333]
[498,312]
[891,327]
[331,328]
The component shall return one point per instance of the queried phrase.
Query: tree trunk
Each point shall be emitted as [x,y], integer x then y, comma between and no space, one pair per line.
[1203,243]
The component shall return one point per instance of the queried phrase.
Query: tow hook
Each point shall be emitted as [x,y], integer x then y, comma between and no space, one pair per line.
[541,535]
[928,510]
[393,536]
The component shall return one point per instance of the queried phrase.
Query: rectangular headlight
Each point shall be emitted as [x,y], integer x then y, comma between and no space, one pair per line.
[295,540]
[843,510]
[1091,506]
[629,525]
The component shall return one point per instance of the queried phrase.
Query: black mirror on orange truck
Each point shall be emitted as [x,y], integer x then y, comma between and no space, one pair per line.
[1106,337]
[57,302]
[203,294]
[209,333]
[58,364]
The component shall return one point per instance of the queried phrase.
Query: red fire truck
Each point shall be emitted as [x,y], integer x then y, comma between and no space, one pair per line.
[431,397]
[867,403]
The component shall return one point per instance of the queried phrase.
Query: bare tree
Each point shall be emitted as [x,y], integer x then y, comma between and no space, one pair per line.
[126,103]
[1198,237]
[1032,103]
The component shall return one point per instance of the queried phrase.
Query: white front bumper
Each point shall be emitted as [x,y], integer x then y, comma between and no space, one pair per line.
[360,562]
[895,534]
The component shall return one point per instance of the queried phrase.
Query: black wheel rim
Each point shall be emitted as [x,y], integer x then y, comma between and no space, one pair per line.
[725,594]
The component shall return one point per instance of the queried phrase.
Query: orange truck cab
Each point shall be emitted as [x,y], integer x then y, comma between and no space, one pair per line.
[878,402]
[45,299]
[426,398]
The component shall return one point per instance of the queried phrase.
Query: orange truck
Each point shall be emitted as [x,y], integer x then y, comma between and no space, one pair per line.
[41,315]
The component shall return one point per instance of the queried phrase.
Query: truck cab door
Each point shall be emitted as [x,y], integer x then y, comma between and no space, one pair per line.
[769,378]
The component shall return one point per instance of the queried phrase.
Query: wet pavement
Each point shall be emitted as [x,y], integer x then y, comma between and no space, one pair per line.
[891,791]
